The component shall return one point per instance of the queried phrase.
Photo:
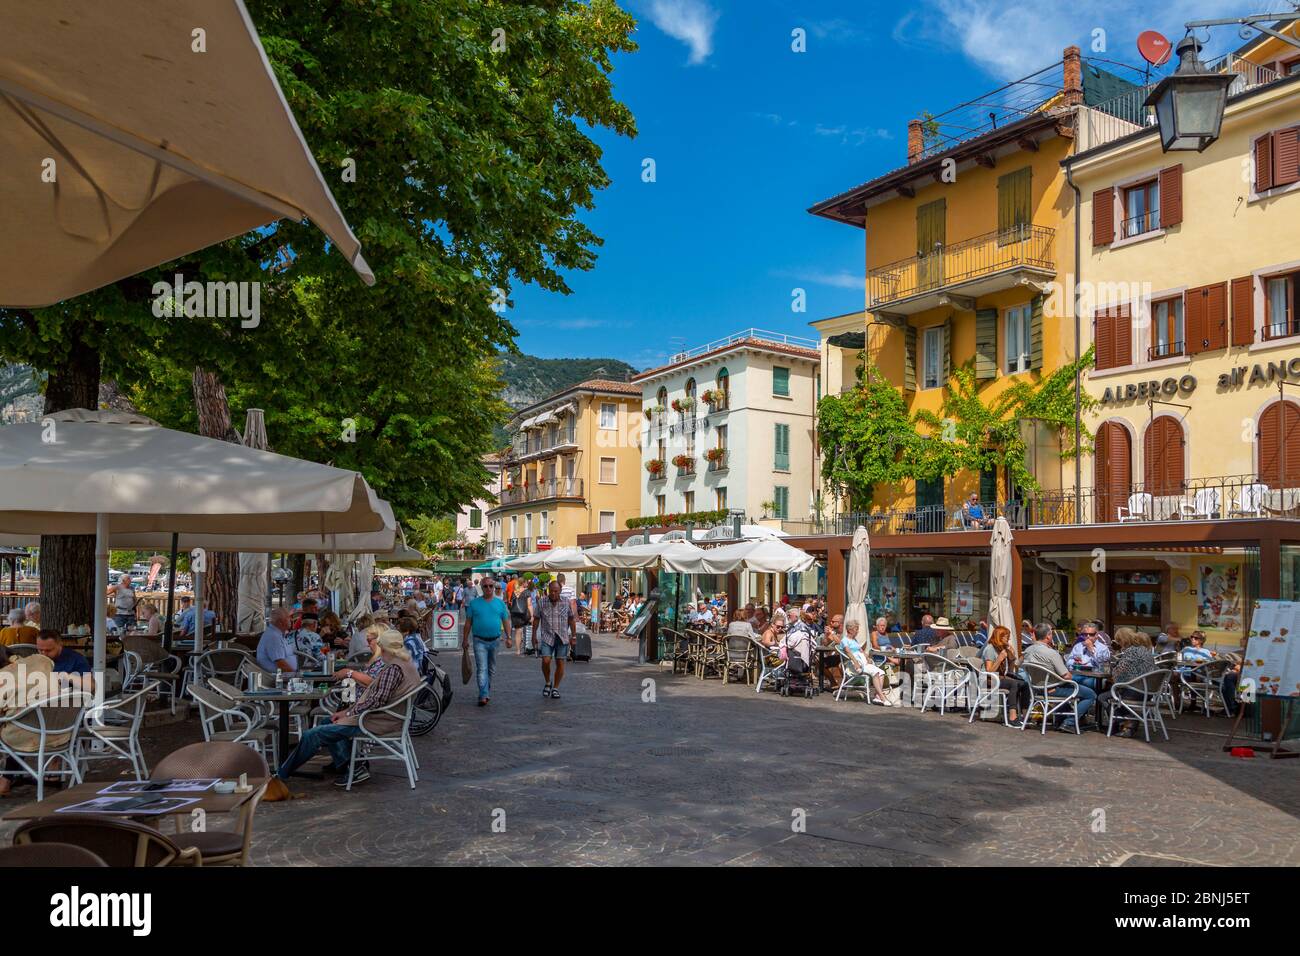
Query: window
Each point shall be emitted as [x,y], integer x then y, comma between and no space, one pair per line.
[688,501]
[528,526]
[659,505]
[1014,205]
[514,526]
[1018,336]
[780,380]
[1280,317]
[476,518]
[690,388]
[722,436]
[545,530]
[781,499]
[781,447]
[1113,336]
[933,375]
[608,471]
[988,488]
[1141,208]
[663,450]
[606,521]
[1167,328]
[720,501]
[1277,159]
[608,415]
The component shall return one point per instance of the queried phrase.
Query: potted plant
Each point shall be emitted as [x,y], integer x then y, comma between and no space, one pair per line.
[769,508]
[655,466]
[683,461]
[715,454]
[709,396]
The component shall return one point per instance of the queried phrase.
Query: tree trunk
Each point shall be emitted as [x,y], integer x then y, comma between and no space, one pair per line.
[68,561]
[299,564]
[221,581]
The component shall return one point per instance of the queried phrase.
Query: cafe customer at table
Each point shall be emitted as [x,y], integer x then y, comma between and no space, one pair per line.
[274,649]
[187,617]
[15,674]
[18,631]
[1044,655]
[924,635]
[1133,658]
[1088,654]
[65,660]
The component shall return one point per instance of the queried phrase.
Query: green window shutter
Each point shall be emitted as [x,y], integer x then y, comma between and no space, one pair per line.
[1036,333]
[780,381]
[947,350]
[1015,200]
[986,344]
[781,443]
[781,497]
[909,359]
[988,487]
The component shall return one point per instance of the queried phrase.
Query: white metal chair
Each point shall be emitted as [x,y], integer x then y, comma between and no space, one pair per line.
[1248,501]
[56,730]
[767,670]
[1168,662]
[1042,683]
[1144,707]
[854,677]
[1139,508]
[391,745]
[944,681]
[1204,504]
[113,731]
[1203,685]
[985,689]
[222,719]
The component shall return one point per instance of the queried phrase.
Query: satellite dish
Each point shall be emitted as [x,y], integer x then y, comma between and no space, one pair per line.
[1155,48]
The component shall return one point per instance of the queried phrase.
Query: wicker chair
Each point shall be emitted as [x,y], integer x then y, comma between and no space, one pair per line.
[114,732]
[40,855]
[740,656]
[227,761]
[117,841]
[711,655]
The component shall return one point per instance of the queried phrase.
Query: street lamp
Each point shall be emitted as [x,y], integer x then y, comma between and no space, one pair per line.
[1189,103]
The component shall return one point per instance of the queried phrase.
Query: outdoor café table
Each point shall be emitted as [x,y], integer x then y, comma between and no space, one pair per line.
[285,699]
[823,652]
[209,801]
[1102,678]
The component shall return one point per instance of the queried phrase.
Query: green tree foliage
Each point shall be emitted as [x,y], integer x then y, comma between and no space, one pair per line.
[425,533]
[867,437]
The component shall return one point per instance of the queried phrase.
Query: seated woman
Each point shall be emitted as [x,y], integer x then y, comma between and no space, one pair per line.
[331,632]
[18,677]
[365,673]
[1001,656]
[153,622]
[1133,659]
[852,646]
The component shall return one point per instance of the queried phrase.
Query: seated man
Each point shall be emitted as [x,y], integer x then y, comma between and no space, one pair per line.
[942,638]
[307,641]
[17,674]
[1089,653]
[18,631]
[188,615]
[391,681]
[924,635]
[274,650]
[973,515]
[65,661]
[1043,654]
[701,616]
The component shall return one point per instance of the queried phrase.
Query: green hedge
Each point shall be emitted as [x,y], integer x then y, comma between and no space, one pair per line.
[690,517]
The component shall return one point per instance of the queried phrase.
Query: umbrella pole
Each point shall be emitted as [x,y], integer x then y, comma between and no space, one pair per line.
[171,597]
[198,613]
[101,594]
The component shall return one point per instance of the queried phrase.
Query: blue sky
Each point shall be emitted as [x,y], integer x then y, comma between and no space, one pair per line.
[747,134]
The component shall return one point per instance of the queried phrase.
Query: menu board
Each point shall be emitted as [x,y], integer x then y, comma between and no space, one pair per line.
[1272,656]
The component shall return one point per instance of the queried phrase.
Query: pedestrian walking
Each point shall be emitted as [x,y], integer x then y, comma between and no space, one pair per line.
[557,625]
[488,620]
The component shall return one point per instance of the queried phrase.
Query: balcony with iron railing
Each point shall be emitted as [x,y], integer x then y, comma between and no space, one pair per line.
[1194,499]
[542,490]
[1162,350]
[717,459]
[541,442]
[1282,330]
[970,268]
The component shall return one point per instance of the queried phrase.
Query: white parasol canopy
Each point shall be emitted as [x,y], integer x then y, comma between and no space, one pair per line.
[404,573]
[127,146]
[764,556]
[859,578]
[667,555]
[559,559]
[528,562]
[1000,612]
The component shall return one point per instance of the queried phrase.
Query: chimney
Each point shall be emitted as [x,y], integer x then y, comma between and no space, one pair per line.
[1072,85]
[916,140]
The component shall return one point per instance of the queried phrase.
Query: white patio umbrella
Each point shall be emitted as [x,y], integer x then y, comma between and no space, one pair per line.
[404,573]
[859,577]
[127,146]
[365,579]
[679,556]
[528,562]
[1000,612]
[764,555]
[84,472]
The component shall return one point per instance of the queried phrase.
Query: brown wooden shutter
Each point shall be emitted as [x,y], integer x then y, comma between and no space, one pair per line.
[1286,156]
[1163,448]
[1103,338]
[1103,217]
[1216,316]
[1112,466]
[1194,320]
[1243,311]
[1269,445]
[1123,332]
[1264,163]
[1171,195]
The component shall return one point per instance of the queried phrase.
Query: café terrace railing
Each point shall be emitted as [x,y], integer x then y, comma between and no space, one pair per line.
[1196,499]
[541,490]
[957,262]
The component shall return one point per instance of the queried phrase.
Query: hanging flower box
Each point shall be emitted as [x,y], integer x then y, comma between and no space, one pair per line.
[683,461]
[683,404]
[655,466]
[715,454]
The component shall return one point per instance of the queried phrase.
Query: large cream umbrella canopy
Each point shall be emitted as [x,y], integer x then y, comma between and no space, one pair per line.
[404,573]
[763,555]
[859,579]
[126,146]
[1000,612]
[83,472]
[678,556]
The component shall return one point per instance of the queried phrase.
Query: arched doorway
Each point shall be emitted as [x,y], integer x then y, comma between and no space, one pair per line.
[1112,470]
[1163,457]
[1277,444]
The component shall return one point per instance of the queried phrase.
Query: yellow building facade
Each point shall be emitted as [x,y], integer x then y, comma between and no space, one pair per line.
[572,468]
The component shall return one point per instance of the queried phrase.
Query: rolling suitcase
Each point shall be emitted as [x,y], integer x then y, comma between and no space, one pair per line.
[580,650]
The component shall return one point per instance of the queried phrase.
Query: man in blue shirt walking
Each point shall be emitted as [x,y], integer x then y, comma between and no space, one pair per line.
[487,618]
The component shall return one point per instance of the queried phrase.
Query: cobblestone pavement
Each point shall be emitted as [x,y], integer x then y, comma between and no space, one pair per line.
[711,774]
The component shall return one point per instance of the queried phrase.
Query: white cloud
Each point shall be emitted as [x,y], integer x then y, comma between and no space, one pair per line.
[840,280]
[691,21]
[1010,39]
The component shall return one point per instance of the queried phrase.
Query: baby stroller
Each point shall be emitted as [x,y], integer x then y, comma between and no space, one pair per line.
[433,700]
[797,676]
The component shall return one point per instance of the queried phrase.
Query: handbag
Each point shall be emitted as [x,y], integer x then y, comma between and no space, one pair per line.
[466,665]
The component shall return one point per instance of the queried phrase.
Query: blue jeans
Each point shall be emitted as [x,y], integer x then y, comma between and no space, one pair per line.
[1087,697]
[335,737]
[485,663]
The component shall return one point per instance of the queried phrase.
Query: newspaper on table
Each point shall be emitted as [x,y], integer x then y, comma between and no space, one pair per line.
[1272,657]
[139,805]
[197,785]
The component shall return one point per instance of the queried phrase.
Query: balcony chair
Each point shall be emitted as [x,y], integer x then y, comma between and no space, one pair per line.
[1139,508]
[1248,502]
[1204,504]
